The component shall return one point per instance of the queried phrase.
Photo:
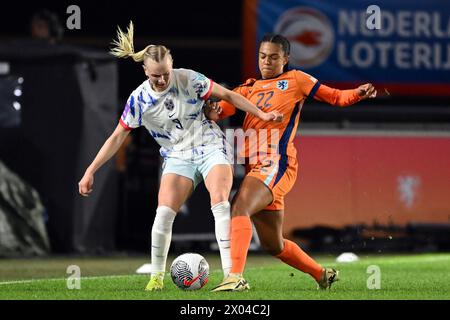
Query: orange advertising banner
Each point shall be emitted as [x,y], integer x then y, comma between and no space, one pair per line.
[369,178]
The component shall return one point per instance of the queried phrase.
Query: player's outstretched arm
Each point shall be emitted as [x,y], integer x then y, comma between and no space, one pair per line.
[344,98]
[105,153]
[242,103]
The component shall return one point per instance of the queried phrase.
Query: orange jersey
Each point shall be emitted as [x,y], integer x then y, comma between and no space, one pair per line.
[285,94]
[272,157]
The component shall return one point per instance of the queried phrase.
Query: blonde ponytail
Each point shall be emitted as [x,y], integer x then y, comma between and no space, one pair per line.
[124,47]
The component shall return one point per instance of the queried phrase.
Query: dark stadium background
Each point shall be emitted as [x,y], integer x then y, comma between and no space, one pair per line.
[202,35]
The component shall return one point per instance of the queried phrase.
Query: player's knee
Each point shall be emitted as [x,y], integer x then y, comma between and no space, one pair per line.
[270,244]
[239,208]
[218,196]
[272,248]
[163,221]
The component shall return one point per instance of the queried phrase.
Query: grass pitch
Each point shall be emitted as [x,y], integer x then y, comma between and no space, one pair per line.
[405,277]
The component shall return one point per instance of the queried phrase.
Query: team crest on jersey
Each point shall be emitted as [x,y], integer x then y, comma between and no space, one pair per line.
[168,104]
[282,85]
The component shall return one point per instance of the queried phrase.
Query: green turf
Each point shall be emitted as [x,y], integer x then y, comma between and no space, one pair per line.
[421,276]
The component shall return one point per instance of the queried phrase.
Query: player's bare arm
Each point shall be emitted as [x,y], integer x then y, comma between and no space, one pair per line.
[105,153]
[243,104]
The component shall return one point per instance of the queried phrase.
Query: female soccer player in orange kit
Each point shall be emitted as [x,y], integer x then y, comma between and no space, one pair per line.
[260,198]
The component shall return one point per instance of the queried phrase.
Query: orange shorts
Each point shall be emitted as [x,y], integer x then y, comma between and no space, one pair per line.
[278,173]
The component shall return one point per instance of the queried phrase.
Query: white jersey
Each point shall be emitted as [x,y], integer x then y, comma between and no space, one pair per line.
[174,117]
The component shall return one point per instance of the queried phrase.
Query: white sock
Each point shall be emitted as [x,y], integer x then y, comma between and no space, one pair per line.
[222,218]
[161,237]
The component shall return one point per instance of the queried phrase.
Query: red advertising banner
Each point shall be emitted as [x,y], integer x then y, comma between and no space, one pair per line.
[369,178]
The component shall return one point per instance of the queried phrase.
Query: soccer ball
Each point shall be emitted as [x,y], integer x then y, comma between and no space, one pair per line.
[189,271]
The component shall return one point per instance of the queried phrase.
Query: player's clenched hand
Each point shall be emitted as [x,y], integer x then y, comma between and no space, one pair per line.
[367,91]
[272,116]
[212,111]
[85,184]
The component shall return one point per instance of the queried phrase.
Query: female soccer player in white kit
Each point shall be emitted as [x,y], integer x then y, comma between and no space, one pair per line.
[170,106]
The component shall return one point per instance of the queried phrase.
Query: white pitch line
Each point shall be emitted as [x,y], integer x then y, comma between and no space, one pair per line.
[408,260]
[59,279]
[65,279]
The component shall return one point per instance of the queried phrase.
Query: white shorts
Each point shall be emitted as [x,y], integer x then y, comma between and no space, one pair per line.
[196,169]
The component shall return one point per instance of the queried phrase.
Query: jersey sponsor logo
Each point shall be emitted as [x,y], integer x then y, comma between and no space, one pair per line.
[266,86]
[282,85]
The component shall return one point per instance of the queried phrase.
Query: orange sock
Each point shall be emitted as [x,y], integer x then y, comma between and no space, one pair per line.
[241,235]
[294,256]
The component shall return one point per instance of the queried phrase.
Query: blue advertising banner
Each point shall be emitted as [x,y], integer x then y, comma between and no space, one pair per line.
[401,45]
